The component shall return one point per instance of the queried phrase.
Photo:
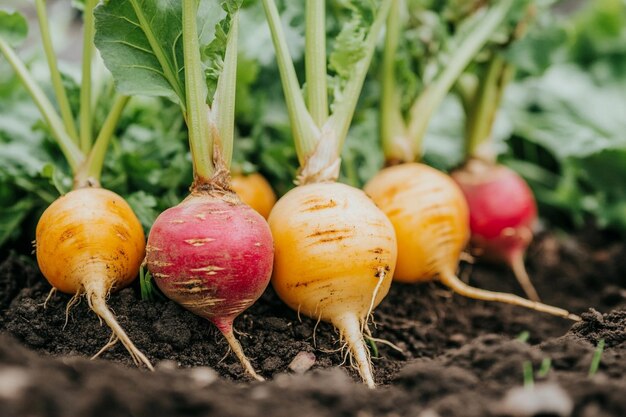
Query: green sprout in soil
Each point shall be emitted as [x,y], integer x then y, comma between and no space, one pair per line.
[597,358]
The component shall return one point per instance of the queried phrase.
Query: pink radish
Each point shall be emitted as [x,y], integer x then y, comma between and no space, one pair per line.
[502,215]
[212,255]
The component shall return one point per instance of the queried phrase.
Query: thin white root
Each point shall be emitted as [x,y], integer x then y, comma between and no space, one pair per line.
[381,278]
[386,342]
[51,294]
[73,301]
[350,328]
[99,306]
[112,342]
[319,318]
[459,287]
[236,347]
[519,270]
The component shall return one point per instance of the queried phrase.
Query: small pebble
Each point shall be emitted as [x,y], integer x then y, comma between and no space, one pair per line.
[203,376]
[545,398]
[13,381]
[302,362]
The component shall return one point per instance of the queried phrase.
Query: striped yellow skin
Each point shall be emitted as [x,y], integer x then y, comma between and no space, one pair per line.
[430,216]
[90,242]
[86,232]
[335,253]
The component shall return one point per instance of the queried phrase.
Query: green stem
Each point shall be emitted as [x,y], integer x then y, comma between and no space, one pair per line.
[85,88]
[315,60]
[340,121]
[392,124]
[70,150]
[200,135]
[55,75]
[169,73]
[483,26]
[482,114]
[305,131]
[92,168]
[224,102]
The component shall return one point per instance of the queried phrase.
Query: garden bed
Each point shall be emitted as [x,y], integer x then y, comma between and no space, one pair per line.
[459,357]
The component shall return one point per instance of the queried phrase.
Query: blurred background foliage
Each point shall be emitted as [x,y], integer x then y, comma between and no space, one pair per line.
[562,124]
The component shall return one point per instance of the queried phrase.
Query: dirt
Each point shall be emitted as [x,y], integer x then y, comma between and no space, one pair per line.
[451,356]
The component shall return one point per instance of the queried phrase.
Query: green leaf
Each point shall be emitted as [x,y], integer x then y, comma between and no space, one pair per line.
[141,44]
[12,217]
[13,27]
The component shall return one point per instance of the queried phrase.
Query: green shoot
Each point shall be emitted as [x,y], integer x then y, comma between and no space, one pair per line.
[544,369]
[55,74]
[70,149]
[319,138]
[200,135]
[317,94]
[529,379]
[405,143]
[597,358]
[523,336]
[85,88]
[372,345]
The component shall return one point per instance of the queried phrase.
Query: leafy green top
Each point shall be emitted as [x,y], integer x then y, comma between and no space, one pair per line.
[319,139]
[145,45]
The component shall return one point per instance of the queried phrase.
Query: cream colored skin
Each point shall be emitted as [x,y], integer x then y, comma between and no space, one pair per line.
[90,242]
[430,216]
[431,219]
[335,254]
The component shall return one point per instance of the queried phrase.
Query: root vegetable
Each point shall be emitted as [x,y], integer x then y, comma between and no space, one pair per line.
[335,250]
[255,191]
[502,214]
[90,242]
[431,219]
[212,255]
[335,255]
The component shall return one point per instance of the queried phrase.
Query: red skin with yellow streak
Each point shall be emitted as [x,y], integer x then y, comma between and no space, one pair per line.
[213,257]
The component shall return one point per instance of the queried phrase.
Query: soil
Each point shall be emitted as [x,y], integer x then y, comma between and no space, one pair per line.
[451,357]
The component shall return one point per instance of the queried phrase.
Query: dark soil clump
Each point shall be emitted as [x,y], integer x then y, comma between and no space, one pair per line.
[445,356]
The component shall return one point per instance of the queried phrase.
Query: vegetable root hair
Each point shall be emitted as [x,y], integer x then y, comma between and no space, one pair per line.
[455,284]
[381,278]
[96,294]
[519,270]
[73,301]
[112,342]
[349,328]
[51,294]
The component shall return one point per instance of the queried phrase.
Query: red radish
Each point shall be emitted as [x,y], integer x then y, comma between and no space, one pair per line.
[213,255]
[502,207]
[502,215]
